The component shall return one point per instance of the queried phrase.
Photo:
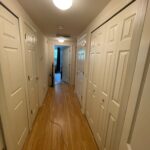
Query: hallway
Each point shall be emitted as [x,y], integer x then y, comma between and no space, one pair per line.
[60,124]
[94,51]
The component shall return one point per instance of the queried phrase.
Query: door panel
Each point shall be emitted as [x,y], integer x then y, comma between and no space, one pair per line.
[12,74]
[136,129]
[95,74]
[31,72]
[81,54]
[123,44]
[112,37]
[90,87]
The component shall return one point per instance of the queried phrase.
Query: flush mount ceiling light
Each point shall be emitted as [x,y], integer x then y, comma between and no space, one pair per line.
[63,4]
[61,39]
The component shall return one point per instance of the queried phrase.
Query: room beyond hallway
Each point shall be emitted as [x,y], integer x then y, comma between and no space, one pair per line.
[58,78]
[60,124]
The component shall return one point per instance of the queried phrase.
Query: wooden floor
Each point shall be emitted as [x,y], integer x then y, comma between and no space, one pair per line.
[60,124]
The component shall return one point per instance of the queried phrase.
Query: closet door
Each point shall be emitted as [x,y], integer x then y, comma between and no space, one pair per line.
[81,52]
[124,25]
[136,130]
[13,77]
[90,89]
[95,74]
[31,70]
[105,79]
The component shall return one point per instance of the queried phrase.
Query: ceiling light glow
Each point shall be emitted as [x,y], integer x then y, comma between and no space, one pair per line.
[63,4]
[61,39]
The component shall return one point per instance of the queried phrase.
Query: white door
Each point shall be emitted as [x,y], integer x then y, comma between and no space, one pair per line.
[97,45]
[31,71]
[107,71]
[13,77]
[136,130]
[81,52]
[66,65]
[122,26]
[108,47]
[90,90]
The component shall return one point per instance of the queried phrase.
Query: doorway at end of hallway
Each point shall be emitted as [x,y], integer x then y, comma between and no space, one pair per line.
[61,64]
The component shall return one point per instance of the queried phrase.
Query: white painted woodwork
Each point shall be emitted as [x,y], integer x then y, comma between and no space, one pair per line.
[125,24]
[138,135]
[13,78]
[66,65]
[136,131]
[94,75]
[80,68]
[30,42]
[110,50]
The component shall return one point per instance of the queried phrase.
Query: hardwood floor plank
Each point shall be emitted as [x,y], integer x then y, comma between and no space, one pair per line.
[60,124]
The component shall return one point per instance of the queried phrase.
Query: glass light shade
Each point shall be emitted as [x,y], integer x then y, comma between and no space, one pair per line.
[63,4]
[61,39]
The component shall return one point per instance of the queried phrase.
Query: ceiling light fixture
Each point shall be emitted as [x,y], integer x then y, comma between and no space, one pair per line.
[63,4]
[61,39]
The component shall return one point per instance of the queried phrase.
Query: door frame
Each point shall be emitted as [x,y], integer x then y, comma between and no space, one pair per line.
[73,64]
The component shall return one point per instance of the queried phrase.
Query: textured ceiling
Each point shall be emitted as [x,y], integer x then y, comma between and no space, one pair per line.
[48,17]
